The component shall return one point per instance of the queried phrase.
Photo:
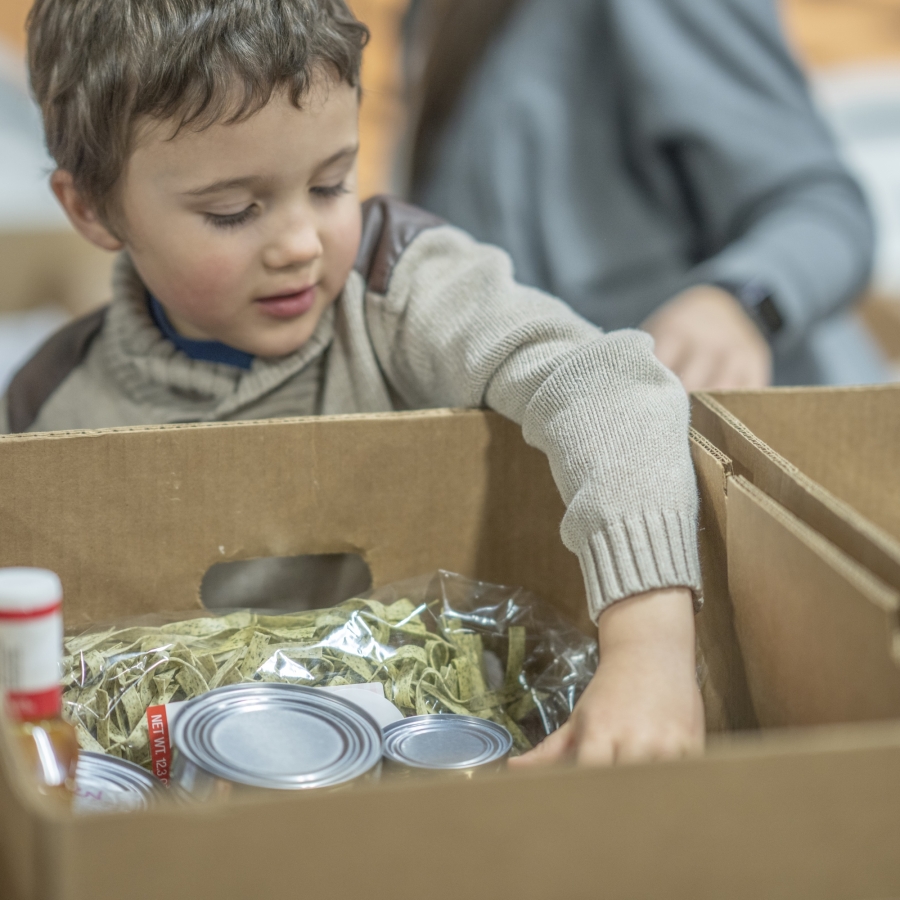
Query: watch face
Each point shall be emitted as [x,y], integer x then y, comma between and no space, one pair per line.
[769,315]
[759,302]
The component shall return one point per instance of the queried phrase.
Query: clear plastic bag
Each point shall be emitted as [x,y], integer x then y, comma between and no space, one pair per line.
[436,644]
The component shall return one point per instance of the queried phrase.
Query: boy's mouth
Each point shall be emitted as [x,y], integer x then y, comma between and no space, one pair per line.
[289,306]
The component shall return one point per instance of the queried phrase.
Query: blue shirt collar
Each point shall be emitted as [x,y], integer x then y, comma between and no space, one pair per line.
[207,351]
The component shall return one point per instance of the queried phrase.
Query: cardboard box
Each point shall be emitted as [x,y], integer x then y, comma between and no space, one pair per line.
[813,547]
[829,456]
[52,268]
[882,317]
[132,518]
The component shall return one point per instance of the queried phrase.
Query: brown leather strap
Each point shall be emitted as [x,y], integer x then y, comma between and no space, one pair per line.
[389,227]
[48,369]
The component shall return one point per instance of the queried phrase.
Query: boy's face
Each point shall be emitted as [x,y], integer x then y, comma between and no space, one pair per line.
[247,232]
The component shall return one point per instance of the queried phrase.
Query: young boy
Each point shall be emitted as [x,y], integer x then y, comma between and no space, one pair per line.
[213,145]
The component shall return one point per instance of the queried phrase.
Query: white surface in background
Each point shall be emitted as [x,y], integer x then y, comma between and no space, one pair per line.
[369,698]
[862,105]
[21,334]
[26,200]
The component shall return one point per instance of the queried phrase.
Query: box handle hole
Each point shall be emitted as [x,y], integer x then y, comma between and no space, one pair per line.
[286,583]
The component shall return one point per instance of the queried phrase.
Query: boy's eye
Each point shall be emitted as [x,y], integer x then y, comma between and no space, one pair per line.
[329,191]
[230,221]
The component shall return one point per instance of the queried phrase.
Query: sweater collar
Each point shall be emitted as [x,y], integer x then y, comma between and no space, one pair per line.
[148,366]
[209,351]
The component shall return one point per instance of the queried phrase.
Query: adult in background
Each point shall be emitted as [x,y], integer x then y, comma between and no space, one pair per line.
[655,163]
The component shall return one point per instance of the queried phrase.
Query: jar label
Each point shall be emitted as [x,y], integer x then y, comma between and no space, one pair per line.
[30,650]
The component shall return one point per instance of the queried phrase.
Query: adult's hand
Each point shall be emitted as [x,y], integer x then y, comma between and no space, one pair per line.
[707,339]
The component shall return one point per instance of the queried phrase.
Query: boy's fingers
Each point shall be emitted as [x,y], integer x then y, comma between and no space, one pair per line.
[655,747]
[596,749]
[551,750]
[647,750]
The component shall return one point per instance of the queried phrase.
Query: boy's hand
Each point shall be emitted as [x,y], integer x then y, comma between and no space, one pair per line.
[644,702]
[707,339]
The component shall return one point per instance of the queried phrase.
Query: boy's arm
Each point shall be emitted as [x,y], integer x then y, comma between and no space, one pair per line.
[456,330]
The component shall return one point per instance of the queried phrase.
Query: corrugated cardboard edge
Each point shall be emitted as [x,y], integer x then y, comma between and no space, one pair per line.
[807,616]
[726,697]
[438,413]
[836,520]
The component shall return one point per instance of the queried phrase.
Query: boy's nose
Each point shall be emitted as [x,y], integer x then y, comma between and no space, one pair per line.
[294,247]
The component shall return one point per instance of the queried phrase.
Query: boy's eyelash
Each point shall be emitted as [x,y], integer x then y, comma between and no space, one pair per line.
[237,219]
[231,221]
[334,190]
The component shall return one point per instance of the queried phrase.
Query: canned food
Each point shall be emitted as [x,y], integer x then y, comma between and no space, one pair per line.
[272,736]
[462,745]
[108,784]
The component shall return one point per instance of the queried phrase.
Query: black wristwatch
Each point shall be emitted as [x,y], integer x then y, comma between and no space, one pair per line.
[759,302]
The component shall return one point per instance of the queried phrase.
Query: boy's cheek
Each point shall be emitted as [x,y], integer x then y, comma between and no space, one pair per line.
[200,289]
[343,242]
[213,275]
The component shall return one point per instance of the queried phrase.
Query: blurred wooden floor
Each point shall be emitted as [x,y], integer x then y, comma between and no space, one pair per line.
[835,32]
[826,32]
[381,116]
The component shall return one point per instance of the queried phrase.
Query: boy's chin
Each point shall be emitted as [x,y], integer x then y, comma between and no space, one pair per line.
[275,346]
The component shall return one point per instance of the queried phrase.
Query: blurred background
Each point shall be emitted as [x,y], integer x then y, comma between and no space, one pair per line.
[851,49]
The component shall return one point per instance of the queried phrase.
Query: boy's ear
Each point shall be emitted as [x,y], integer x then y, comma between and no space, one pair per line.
[80,213]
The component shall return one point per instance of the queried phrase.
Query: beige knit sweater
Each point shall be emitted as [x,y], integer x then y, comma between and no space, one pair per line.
[451,328]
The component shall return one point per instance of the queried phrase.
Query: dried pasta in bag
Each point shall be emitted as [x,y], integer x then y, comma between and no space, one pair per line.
[438,644]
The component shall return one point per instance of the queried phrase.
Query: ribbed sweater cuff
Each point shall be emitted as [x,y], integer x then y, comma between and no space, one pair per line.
[649,552]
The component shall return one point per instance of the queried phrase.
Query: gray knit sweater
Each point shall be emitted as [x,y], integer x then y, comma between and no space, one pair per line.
[624,150]
[436,320]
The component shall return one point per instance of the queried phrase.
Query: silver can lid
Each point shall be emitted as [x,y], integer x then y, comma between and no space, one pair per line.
[280,736]
[108,784]
[446,742]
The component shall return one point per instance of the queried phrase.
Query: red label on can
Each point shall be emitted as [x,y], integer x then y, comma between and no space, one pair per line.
[32,706]
[160,748]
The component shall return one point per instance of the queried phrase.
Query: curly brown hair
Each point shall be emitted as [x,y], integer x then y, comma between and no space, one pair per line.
[99,66]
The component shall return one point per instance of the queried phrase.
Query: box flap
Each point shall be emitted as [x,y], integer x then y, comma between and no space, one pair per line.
[819,632]
[736,423]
